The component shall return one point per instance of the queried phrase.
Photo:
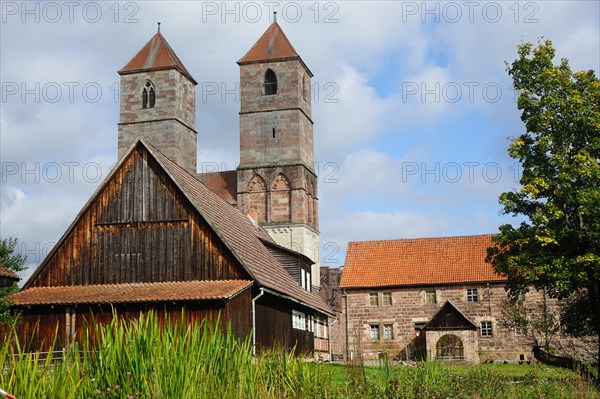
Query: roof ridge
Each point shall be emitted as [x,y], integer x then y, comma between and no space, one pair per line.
[422,238]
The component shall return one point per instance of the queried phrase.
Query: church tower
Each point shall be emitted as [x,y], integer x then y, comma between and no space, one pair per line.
[157,97]
[276,175]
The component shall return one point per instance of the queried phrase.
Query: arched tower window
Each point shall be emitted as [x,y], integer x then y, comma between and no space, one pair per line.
[148,95]
[270,82]
[281,182]
[257,183]
[255,199]
[281,200]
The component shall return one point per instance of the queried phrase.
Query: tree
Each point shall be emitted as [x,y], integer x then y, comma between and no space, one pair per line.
[15,262]
[557,247]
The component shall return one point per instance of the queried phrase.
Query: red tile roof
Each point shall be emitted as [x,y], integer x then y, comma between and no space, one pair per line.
[272,45]
[423,261]
[6,272]
[135,292]
[224,184]
[155,55]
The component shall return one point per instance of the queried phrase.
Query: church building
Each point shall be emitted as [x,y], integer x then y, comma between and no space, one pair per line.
[158,235]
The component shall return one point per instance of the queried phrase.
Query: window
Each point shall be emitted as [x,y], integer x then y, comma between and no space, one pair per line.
[387,299]
[299,321]
[486,328]
[375,332]
[270,82]
[430,298]
[305,280]
[373,299]
[148,95]
[472,295]
[388,331]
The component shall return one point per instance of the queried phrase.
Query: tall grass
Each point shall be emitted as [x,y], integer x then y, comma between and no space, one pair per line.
[145,359]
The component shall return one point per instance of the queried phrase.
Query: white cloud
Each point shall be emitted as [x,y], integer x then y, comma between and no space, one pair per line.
[370,134]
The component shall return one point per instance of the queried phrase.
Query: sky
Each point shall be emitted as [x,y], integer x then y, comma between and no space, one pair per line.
[413,109]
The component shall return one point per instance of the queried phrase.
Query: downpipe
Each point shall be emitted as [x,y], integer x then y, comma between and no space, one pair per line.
[254,321]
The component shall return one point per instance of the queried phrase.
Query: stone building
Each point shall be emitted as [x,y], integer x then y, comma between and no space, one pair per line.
[429,297]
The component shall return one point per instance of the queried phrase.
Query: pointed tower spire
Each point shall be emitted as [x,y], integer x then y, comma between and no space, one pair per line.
[156,55]
[272,45]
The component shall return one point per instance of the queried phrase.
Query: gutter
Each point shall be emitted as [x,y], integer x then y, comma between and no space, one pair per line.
[254,321]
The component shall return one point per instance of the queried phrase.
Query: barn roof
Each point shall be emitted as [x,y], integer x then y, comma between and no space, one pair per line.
[129,293]
[238,233]
[7,273]
[156,55]
[422,261]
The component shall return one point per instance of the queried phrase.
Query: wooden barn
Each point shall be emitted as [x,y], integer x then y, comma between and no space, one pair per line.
[154,236]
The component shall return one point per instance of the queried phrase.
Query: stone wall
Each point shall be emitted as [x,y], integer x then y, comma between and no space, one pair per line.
[409,312]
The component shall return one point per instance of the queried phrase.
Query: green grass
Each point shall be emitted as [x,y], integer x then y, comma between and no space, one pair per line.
[142,359]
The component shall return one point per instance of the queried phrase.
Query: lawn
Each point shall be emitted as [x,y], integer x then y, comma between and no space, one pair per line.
[435,380]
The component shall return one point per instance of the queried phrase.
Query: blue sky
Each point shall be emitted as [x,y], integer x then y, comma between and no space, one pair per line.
[412,104]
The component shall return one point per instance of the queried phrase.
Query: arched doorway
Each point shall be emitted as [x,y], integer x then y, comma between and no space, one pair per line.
[449,347]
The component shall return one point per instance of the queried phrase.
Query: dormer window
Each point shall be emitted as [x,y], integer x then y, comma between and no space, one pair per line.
[148,95]
[270,82]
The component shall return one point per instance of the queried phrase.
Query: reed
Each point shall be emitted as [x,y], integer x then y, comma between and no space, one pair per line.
[147,358]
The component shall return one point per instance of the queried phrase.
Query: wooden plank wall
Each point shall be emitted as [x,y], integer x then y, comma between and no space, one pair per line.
[139,229]
[40,324]
[274,326]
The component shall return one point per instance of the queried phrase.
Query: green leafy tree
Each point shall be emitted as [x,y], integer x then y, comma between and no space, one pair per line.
[557,247]
[15,262]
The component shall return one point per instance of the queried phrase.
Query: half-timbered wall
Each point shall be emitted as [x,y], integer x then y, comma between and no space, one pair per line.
[139,228]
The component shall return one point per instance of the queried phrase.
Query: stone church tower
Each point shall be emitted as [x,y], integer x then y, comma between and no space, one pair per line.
[157,100]
[276,178]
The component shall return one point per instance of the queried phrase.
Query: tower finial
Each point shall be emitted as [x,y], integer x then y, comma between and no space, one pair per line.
[274,16]
[158,27]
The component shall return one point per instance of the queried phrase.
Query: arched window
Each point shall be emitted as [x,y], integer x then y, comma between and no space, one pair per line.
[152,97]
[281,182]
[148,95]
[270,82]
[257,183]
